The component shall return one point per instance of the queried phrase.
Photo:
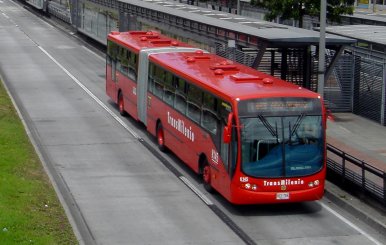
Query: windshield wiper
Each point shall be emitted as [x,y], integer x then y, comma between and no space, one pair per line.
[297,124]
[268,126]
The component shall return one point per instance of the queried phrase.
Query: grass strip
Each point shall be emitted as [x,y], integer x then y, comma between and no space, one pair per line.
[30,212]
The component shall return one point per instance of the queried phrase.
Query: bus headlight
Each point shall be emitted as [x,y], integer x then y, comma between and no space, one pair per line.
[249,186]
[313,183]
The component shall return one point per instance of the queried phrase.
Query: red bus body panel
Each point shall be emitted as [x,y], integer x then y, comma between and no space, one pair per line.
[187,147]
[133,41]
[268,194]
[188,140]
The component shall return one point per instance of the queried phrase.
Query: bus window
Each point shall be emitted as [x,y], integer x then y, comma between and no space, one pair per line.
[194,103]
[113,71]
[124,69]
[227,151]
[132,65]
[233,151]
[180,99]
[118,65]
[151,78]
[224,151]
[112,50]
[224,110]
[159,76]
[169,89]
[209,116]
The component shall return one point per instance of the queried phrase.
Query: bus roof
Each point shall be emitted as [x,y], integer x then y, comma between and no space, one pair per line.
[144,39]
[227,78]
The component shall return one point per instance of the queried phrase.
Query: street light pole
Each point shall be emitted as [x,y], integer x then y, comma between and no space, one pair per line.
[374,6]
[322,47]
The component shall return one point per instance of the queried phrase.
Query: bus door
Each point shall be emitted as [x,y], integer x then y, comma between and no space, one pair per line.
[111,70]
[228,154]
[225,149]
[111,78]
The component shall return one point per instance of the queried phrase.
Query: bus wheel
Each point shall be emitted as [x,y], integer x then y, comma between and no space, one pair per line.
[121,105]
[160,137]
[206,177]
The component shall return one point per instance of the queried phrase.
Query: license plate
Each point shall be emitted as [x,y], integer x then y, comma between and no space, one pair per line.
[282,196]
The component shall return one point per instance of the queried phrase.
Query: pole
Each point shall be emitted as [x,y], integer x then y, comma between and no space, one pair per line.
[322,47]
[374,6]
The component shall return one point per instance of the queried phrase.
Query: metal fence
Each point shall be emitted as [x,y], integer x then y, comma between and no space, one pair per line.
[59,11]
[339,86]
[369,88]
[350,170]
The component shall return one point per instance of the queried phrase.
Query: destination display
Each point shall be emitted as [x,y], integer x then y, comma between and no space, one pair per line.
[271,106]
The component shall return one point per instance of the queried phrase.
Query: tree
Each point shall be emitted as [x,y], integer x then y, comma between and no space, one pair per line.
[296,9]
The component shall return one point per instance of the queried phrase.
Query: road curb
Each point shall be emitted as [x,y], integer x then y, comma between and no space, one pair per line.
[71,209]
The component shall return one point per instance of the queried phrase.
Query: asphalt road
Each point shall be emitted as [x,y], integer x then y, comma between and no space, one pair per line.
[114,189]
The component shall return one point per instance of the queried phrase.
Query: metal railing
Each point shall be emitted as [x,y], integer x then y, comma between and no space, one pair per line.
[350,170]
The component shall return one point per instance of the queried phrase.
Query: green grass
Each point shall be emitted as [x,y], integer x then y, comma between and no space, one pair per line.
[30,212]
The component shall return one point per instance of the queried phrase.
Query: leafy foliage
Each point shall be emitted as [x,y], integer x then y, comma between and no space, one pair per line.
[296,9]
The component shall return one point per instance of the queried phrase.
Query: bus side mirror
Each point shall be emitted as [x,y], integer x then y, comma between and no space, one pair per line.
[227,134]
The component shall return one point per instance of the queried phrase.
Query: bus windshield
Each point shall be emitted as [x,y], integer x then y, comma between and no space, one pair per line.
[282,143]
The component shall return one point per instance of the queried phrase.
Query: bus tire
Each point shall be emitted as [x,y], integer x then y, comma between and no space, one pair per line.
[206,177]
[160,137]
[121,104]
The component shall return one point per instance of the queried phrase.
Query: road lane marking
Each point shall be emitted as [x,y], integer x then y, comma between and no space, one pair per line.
[92,52]
[197,191]
[344,129]
[117,118]
[349,223]
[220,214]
[131,131]
[182,178]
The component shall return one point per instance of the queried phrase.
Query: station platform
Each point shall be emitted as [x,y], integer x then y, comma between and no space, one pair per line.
[359,137]
[365,140]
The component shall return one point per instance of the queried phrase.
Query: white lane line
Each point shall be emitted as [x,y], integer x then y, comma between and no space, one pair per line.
[375,241]
[38,151]
[344,129]
[92,52]
[186,181]
[131,131]
[5,15]
[182,178]
[195,190]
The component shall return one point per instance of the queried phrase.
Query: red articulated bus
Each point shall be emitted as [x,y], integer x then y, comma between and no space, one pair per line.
[254,138]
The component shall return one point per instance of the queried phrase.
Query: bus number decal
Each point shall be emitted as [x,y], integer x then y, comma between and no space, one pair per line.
[214,156]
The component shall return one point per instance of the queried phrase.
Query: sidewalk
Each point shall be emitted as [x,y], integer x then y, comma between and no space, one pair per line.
[365,140]
[359,137]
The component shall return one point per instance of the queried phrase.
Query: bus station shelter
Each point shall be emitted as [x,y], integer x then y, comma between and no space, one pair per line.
[283,51]
[368,58]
